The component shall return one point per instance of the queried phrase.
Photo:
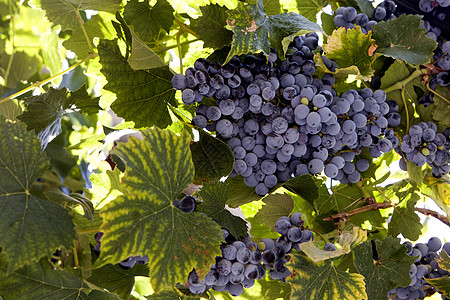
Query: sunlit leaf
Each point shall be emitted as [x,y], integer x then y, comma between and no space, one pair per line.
[142,96]
[211,26]
[276,206]
[144,221]
[309,9]
[142,57]
[323,280]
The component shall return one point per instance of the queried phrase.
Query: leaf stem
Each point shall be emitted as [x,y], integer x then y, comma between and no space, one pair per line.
[38,84]
[401,84]
[185,28]
[402,92]
[346,215]
[180,53]
[181,44]
[77,13]
[436,93]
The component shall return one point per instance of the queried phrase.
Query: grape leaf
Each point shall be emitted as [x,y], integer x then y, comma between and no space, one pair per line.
[252,28]
[389,271]
[350,48]
[323,280]
[441,107]
[442,284]
[23,216]
[148,21]
[142,96]
[212,158]
[260,231]
[415,173]
[50,53]
[142,57]
[211,26]
[272,7]
[366,7]
[310,8]
[275,289]
[348,238]
[304,186]
[44,112]
[65,12]
[117,280]
[41,280]
[106,187]
[240,193]
[276,206]
[327,25]
[214,196]
[444,260]
[98,26]
[23,67]
[143,222]
[402,38]
[404,219]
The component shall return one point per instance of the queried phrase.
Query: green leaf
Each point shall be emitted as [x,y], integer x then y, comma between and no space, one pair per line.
[402,38]
[275,289]
[404,219]
[444,260]
[350,48]
[23,67]
[441,107]
[415,173]
[240,193]
[259,231]
[324,281]
[388,272]
[211,26]
[214,196]
[438,190]
[41,280]
[309,9]
[366,7]
[272,7]
[106,187]
[252,28]
[142,57]
[158,169]
[142,96]
[304,186]
[212,158]
[276,206]
[115,279]
[59,196]
[30,227]
[348,238]
[327,24]
[44,112]
[50,52]
[147,21]
[99,26]
[65,12]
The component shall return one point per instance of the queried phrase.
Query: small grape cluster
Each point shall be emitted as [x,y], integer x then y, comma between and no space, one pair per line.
[423,144]
[280,121]
[125,264]
[243,262]
[425,266]
[348,17]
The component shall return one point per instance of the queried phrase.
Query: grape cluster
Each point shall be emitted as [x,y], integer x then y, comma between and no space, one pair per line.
[125,264]
[243,262]
[348,17]
[423,144]
[425,266]
[280,121]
